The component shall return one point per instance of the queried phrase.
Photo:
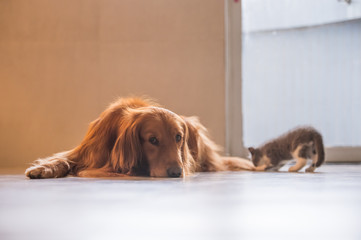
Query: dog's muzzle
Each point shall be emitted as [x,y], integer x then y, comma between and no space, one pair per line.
[174,172]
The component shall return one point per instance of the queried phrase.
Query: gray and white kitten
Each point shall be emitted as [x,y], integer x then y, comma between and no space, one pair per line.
[299,144]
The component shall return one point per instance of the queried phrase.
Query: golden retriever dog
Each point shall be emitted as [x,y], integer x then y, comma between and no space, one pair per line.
[137,137]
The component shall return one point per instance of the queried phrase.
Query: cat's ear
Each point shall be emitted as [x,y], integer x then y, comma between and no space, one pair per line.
[251,150]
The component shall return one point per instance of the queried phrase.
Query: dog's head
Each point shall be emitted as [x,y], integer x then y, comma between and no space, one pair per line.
[152,141]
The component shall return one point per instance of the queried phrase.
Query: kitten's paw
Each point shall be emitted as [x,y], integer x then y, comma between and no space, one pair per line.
[39,171]
[293,169]
[310,169]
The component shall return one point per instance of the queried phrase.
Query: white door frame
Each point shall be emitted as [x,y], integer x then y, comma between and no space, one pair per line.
[233,79]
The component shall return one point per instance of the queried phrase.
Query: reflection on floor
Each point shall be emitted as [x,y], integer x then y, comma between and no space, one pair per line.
[227,205]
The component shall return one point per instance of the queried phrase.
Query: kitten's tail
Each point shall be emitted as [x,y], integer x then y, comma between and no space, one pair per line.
[319,149]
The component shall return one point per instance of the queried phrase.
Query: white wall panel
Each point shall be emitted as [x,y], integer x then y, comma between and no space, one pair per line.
[308,76]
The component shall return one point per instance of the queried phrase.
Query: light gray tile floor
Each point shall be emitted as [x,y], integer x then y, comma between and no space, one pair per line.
[226,205]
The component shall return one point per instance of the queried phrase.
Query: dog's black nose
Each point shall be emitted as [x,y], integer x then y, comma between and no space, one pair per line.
[174,171]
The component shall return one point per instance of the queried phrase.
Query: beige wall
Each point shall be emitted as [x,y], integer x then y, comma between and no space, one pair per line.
[62,62]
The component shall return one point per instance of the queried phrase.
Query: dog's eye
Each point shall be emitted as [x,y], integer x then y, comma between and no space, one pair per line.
[154,141]
[178,138]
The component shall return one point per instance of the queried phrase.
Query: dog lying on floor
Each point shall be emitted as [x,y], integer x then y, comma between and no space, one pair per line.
[136,137]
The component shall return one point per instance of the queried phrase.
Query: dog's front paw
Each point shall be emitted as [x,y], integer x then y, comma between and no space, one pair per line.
[39,171]
[310,169]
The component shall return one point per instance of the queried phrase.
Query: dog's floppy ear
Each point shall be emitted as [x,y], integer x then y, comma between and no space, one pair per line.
[202,148]
[191,135]
[127,151]
[189,164]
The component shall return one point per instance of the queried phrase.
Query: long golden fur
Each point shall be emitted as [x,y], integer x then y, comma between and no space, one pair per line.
[136,137]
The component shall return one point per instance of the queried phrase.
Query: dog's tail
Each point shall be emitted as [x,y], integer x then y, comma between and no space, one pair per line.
[56,166]
[237,164]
